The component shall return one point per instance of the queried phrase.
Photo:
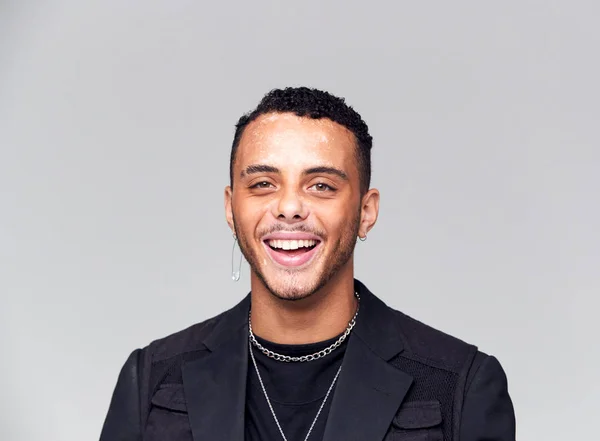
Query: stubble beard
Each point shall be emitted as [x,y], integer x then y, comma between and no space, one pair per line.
[295,287]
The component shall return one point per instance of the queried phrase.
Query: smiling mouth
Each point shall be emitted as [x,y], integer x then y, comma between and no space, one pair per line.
[291,253]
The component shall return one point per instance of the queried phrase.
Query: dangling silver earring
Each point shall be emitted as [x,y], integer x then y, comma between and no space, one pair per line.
[362,239]
[235,275]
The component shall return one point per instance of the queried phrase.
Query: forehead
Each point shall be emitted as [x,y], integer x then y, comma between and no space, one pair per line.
[287,139]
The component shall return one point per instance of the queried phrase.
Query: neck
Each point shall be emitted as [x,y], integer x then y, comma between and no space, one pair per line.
[321,316]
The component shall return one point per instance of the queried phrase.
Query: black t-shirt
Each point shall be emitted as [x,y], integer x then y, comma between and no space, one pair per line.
[296,391]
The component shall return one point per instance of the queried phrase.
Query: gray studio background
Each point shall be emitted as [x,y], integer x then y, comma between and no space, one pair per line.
[116,120]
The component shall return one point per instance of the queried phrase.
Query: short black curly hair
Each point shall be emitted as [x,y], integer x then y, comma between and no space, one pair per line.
[316,104]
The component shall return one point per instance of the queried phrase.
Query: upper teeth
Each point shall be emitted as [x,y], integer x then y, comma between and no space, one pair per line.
[292,244]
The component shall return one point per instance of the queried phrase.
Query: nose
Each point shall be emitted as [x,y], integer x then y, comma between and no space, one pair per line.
[290,207]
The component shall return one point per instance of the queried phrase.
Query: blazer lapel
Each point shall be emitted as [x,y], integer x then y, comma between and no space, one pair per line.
[369,390]
[366,398]
[215,385]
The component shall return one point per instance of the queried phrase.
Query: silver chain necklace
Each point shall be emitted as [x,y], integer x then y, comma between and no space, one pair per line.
[320,354]
[252,341]
[262,385]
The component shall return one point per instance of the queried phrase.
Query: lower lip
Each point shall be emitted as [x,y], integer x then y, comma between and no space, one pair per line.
[291,261]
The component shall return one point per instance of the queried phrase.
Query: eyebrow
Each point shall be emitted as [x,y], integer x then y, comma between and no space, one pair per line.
[326,170]
[259,168]
[263,168]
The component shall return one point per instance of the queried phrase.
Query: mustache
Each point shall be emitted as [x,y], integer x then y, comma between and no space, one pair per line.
[300,228]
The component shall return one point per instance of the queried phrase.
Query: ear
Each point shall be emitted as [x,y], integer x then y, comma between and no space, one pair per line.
[229,208]
[369,211]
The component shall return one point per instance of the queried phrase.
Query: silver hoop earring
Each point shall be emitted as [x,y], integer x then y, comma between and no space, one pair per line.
[235,275]
[362,239]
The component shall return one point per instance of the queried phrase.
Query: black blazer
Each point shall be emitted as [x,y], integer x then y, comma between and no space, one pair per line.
[400,380]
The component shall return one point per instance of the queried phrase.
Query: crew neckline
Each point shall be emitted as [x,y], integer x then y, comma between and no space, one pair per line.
[298,349]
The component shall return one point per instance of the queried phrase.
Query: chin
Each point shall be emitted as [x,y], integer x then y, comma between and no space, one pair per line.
[290,296]
[291,287]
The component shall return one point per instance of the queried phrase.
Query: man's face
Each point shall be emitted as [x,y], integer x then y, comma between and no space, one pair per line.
[295,205]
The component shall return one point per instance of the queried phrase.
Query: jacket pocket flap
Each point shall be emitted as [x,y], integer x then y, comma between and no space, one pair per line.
[170,396]
[418,414]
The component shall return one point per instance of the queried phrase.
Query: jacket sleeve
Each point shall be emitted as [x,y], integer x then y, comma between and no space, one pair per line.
[123,420]
[488,412]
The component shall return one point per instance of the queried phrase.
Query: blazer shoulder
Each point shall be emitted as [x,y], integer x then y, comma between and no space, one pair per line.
[436,347]
[186,340]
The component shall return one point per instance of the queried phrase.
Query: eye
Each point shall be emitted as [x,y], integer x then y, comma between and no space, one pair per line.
[322,187]
[262,184]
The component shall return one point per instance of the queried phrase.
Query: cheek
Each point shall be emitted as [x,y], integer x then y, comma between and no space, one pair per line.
[340,221]
[249,217]
[335,215]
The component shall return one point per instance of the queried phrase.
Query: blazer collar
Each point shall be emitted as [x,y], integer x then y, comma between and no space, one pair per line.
[369,390]
[215,385]
[376,324]
[366,397]
[228,325]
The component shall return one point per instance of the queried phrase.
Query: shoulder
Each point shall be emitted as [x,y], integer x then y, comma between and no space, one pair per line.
[391,329]
[201,336]
[190,339]
[432,346]
[185,340]
[161,360]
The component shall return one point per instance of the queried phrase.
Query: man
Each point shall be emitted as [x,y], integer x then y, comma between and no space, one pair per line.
[310,353]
